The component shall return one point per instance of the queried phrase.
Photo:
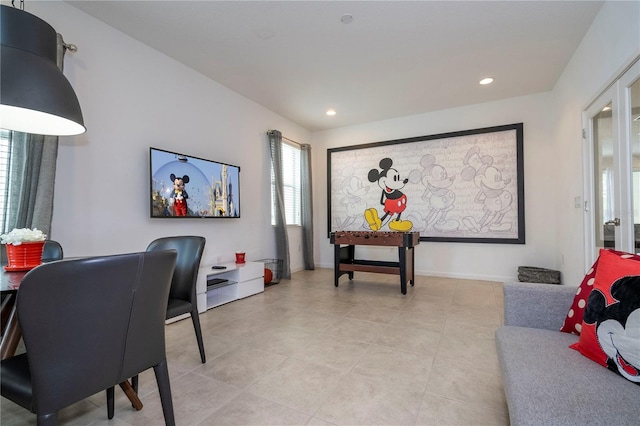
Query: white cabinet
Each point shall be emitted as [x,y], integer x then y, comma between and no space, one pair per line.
[218,286]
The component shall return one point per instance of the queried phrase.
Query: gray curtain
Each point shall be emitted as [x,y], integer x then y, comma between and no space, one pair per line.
[32,176]
[31,181]
[306,208]
[282,239]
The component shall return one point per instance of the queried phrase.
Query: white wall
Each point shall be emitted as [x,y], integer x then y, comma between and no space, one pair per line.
[552,155]
[611,42]
[133,97]
[478,261]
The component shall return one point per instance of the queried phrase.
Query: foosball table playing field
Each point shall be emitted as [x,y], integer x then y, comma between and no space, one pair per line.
[344,254]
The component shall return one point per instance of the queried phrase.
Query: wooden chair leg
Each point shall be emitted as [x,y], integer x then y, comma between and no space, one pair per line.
[133,396]
[8,302]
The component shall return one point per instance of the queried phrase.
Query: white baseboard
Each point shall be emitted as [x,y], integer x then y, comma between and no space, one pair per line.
[426,273]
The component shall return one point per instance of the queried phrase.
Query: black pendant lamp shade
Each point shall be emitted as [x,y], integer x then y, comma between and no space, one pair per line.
[35,97]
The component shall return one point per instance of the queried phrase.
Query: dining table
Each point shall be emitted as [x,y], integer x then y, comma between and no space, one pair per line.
[9,286]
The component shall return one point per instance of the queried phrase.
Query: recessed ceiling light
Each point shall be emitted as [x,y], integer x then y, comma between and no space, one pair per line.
[487,80]
[331,112]
[607,108]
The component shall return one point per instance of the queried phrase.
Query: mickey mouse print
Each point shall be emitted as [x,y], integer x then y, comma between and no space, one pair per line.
[465,186]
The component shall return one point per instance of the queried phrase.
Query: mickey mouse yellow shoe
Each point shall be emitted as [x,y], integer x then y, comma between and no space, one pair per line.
[371,216]
[401,225]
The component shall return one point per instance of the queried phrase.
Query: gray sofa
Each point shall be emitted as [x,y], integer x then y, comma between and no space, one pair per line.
[546,382]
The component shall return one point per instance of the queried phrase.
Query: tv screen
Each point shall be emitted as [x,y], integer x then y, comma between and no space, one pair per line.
[183,186]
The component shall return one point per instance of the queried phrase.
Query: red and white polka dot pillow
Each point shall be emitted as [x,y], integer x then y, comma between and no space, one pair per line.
[573,322]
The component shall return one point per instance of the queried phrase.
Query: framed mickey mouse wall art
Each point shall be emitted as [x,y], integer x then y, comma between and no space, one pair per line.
[465,186]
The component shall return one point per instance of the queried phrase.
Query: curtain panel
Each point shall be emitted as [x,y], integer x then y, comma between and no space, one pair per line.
[280,228]
[31,181]
[306,207]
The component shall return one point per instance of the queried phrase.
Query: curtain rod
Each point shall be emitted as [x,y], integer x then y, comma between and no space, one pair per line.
[291,140]
[286,138]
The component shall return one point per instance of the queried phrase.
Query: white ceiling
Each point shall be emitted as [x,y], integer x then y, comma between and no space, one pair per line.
[396,58]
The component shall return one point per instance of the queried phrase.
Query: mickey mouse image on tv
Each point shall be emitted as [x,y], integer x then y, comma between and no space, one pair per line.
[178,197]
[393,200]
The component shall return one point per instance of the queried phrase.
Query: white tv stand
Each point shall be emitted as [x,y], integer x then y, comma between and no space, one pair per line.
[219,286]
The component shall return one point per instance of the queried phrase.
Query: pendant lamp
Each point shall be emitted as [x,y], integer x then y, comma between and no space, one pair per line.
[35,97]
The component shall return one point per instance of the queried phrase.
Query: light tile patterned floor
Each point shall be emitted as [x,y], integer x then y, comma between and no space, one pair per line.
[307,353]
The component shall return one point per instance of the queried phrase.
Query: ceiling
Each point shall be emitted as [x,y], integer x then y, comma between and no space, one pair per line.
[396,58]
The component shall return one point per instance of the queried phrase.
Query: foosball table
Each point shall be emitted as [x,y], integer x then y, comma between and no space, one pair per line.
[344,254]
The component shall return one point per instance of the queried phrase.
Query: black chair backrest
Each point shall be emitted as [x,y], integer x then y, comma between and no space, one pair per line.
[52,250]
[88,323]
[189,250]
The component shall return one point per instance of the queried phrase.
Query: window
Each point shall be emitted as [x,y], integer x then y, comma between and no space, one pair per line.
[4,173]
[290,183]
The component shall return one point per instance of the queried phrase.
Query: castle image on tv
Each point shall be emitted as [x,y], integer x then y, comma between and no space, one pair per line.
[221,202]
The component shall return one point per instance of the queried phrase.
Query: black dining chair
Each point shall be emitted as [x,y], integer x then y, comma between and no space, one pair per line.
[52,250]
[182,296]
[88,325]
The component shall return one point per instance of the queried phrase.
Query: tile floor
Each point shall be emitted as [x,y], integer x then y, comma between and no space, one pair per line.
[307,353]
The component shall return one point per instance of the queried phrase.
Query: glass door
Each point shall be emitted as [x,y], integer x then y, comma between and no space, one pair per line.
[603,154]
[612,196]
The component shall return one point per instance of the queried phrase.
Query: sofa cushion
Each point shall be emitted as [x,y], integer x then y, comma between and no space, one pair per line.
[536,305]
[573,321]
[546,383]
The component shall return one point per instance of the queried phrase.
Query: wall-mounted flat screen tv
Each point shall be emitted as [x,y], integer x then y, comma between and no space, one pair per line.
[183,186]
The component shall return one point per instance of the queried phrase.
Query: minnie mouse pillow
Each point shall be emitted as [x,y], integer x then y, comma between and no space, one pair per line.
[610,332]
[573,322]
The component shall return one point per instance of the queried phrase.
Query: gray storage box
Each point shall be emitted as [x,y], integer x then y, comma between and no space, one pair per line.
[531,274]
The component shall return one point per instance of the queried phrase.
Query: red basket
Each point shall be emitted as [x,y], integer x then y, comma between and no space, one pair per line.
[24,256]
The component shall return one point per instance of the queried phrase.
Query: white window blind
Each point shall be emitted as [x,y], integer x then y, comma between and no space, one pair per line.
[290,183]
